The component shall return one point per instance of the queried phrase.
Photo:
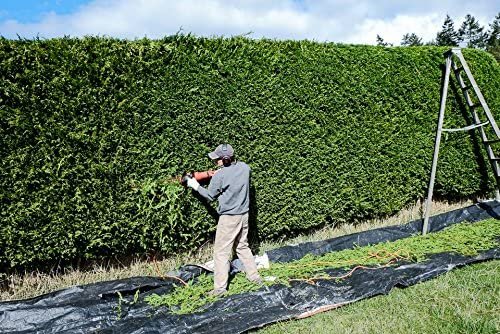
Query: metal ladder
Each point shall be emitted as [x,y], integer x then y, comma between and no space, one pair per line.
[466,86]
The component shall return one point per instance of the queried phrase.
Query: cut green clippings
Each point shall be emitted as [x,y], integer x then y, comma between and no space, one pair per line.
[191,297]
[465,238]
[194,291]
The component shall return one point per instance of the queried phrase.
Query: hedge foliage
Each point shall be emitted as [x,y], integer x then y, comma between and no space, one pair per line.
[94,129]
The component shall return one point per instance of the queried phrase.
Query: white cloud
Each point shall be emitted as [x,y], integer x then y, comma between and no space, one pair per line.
[323,20]
[393,30]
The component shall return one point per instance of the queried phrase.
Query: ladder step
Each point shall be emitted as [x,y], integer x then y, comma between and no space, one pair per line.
[466,128]
[458,69]
[475,105]
[466,87]
[491,141]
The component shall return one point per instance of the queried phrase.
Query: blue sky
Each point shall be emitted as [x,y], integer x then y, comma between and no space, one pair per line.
[345,21]
[30,11]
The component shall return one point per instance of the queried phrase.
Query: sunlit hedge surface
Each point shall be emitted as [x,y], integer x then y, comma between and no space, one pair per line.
[92,130]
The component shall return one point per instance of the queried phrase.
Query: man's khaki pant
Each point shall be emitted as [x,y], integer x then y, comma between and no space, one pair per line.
[232,230]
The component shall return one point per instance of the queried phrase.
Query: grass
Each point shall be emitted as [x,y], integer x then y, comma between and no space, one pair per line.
[466,300]
[31,284]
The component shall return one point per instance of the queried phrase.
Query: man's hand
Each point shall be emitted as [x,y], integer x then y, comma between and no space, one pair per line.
[192,183]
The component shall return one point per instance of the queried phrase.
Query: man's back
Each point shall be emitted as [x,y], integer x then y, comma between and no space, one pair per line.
[232,184]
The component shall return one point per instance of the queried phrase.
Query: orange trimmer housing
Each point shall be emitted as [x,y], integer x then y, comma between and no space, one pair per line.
[203,176]
[198,176]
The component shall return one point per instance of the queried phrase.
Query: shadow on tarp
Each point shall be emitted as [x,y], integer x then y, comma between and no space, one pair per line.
[96,308]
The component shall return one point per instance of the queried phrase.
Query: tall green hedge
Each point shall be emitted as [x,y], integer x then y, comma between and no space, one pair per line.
[92,131]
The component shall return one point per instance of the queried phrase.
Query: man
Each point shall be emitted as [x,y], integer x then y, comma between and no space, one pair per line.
[231,186]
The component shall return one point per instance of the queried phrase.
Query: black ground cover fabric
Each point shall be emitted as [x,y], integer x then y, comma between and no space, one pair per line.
[96,308]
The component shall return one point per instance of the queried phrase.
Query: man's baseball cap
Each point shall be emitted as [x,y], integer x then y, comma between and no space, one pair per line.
[223,150]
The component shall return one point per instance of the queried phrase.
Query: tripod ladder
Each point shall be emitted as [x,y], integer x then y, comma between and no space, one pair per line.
[469,89]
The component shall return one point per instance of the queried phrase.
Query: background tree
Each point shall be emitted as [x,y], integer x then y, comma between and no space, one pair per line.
[493,40]
[447,36]
[472,33]
[381,42]
[411,40]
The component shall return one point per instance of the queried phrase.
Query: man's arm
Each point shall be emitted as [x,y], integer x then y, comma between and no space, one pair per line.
[212,192]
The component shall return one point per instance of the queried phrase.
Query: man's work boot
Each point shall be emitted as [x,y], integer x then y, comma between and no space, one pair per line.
[217,292]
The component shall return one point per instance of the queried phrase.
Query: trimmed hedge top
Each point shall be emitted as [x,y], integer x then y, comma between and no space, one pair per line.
[92,131]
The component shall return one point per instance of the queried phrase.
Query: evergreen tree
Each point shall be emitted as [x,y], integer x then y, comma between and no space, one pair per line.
[447,36]
[472,33]
[411,40]
[381,42]
[493,41]
[494,32]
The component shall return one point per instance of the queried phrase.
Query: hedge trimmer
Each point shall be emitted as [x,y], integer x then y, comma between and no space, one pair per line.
[199,176]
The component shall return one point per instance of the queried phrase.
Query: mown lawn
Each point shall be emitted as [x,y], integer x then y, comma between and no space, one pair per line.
[466,300]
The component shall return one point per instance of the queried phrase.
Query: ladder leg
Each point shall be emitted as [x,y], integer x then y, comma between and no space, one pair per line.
[442,107]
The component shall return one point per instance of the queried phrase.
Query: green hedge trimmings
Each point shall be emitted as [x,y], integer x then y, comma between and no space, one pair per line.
[93,129]
[465,238]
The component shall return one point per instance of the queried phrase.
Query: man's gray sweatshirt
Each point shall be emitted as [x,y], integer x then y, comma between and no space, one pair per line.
[231,186]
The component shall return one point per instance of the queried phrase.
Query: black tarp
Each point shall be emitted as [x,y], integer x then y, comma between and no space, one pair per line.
[95,308]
